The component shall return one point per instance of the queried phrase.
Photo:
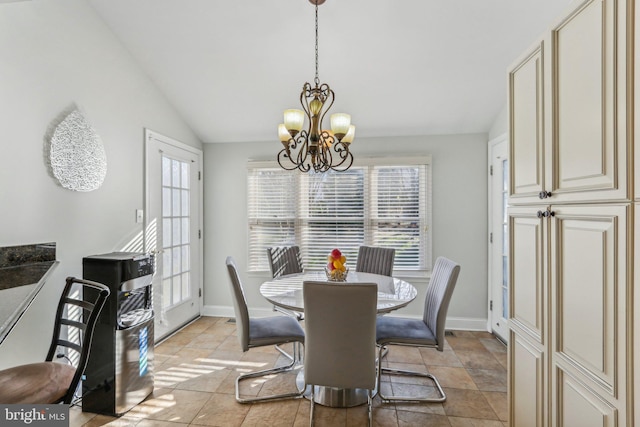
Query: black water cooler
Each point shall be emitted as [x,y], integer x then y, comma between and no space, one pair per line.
[119,373]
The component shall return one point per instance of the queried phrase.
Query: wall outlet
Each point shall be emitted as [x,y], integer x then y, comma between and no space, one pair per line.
[139,216]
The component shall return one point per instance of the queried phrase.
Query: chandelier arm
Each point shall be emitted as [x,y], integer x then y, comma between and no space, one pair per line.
[344,153]
[328,94]
[338,167]
[304,152]
[304,101]
[307,92]
[284,155]
[328,142]
[296,147]
[305,165]
[346,158]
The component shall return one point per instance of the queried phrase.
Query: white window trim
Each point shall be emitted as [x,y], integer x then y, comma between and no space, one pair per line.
[423,159]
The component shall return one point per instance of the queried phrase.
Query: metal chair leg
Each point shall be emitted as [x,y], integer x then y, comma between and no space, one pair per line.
[294,362]
[285,354]
[312,409]
[442,396]
[369,408]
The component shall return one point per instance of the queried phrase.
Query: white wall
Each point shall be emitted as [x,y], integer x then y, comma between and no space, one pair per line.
[54,54]
[500,124]
[459,217]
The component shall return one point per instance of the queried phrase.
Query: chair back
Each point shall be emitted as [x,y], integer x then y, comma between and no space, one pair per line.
[78,309]
[443,280]
[375,260]
[340,334]
[284,260]
[239,304]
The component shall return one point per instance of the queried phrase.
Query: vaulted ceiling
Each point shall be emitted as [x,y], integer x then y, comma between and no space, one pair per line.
[399,67]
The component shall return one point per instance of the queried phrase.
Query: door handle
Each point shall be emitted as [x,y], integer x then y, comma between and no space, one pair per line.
[546,214]
[544,194]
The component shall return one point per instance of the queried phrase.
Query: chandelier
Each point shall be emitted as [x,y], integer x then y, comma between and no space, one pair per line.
[315,148]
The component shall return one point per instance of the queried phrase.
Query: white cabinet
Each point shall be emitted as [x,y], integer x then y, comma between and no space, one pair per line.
[526,126]
[528,351]
[589,293]
[571,310]
[572,223]
[568,110]
[635,306]
[526,383]
[528,269]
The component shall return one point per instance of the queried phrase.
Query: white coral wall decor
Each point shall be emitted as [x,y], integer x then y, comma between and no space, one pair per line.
[77,156]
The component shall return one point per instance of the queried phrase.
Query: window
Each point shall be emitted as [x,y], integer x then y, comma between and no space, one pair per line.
[175,231]
[384,203]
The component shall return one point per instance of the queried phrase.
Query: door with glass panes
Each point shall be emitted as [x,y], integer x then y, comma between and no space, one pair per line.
[498,238]
[173,228]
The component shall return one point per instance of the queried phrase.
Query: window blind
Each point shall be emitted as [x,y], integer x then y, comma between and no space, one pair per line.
[382,203]
[271,212]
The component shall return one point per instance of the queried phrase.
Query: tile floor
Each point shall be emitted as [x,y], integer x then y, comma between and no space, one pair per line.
[196,371]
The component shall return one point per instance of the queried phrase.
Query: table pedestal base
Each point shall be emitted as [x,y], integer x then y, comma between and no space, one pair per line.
[334,397]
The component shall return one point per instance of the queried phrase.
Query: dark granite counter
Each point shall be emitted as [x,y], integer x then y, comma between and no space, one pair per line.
[11,277]
[12,256]
[23,271]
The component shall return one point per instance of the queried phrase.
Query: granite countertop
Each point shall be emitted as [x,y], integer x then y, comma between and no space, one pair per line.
[24,270]
[26,274]
[25,264]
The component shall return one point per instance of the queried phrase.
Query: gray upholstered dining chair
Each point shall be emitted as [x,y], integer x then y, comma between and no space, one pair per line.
[340,347]
[376,260]
[427,332]
[259,332]
[285,260]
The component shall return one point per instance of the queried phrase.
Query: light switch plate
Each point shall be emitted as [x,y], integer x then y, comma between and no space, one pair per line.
[139,216]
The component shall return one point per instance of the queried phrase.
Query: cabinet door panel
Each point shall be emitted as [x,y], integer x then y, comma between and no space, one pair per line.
[589,138]
[589,293]
[635,303]
[526,383]
[526,99]
[526,272]
[636,115]
[576,405]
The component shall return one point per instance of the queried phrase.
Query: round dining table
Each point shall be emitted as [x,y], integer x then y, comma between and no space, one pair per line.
[286,292]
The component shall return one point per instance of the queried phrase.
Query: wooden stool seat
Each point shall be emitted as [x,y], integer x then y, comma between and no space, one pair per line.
[44,382]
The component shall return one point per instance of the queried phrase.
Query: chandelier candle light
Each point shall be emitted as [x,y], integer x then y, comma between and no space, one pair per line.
[315,148]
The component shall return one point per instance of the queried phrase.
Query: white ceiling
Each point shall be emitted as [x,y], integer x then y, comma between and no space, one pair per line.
[399,67]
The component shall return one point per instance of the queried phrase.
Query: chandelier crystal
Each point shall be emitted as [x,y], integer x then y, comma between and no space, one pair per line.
[315,148]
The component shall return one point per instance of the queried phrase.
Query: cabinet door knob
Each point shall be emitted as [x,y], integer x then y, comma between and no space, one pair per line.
[544,194]
[546,214]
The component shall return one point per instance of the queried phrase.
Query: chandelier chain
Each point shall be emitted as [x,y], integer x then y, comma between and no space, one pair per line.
[317,79]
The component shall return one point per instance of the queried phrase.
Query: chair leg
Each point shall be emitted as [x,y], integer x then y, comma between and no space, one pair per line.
[369,408]
[312,408]
[298,394]
[441,398]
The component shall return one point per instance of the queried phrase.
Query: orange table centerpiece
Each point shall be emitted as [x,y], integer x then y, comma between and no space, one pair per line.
[336,268]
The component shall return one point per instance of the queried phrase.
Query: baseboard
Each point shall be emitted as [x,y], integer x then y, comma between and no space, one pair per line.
[466,324]
[453,323]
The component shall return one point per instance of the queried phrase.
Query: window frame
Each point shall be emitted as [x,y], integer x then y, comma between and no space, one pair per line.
[367,163]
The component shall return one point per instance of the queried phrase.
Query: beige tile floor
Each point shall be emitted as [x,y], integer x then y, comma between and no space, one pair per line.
[196,369]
